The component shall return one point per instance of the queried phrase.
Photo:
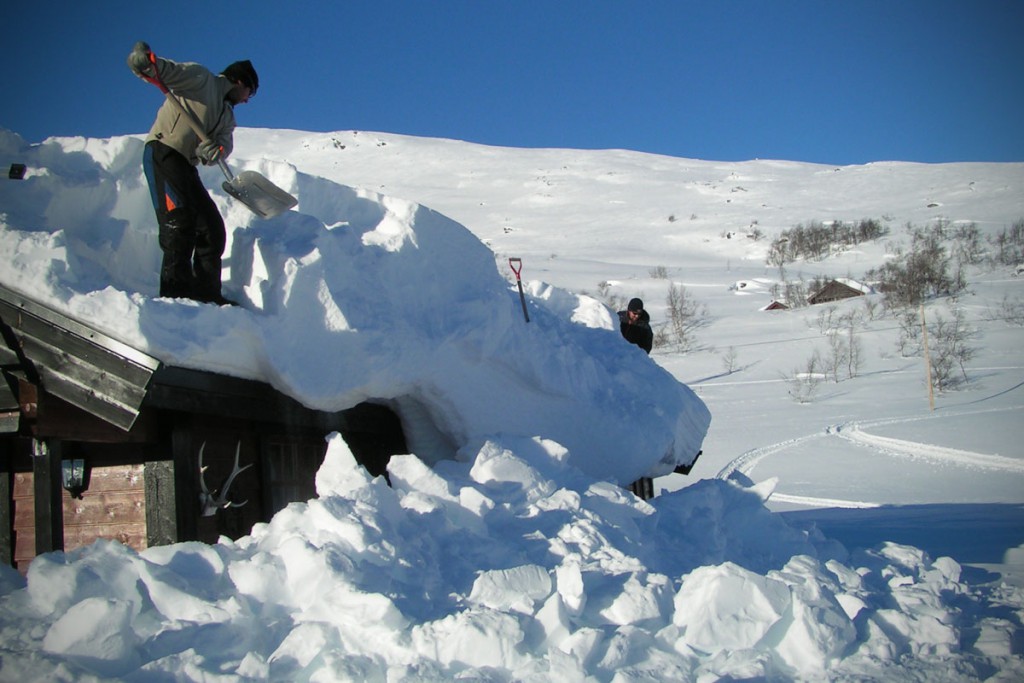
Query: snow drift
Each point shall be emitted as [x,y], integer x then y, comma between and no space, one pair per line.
[504,565]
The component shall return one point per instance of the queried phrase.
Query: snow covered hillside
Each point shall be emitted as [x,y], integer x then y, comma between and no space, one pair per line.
[504,550]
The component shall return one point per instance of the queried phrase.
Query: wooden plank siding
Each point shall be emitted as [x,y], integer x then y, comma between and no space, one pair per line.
[290,468]
[24,522]
[113,507]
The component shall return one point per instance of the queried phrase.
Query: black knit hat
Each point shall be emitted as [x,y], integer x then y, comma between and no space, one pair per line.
[635,305]
[242,72]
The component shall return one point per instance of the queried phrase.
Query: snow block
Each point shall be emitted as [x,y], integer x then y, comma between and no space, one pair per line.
[727,607]
[97,634]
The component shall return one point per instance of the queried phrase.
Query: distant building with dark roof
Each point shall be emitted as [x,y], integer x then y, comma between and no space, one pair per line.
[839,289]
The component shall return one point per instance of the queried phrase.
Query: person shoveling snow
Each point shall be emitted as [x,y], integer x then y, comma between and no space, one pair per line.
[192,234]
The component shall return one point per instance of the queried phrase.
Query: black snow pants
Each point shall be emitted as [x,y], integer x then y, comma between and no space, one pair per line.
[192,234]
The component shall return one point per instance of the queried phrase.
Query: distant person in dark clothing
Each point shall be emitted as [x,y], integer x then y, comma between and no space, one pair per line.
[635,325]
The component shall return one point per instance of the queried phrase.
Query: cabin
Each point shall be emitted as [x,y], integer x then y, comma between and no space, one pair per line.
[837,290]
[776,305]
[100,440]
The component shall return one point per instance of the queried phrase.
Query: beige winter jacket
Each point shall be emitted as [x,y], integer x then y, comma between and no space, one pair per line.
[201,93]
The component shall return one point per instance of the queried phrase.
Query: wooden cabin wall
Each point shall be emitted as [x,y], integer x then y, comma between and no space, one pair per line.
[146,492]
[290,465]
[113,507]
[222,438]
[282,469]
[136,496]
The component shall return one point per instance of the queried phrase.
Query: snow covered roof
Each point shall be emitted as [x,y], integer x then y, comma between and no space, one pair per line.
[854,284]
[839,288]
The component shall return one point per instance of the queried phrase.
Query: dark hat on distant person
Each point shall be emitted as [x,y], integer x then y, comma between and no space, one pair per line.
[242,72]
[635,305]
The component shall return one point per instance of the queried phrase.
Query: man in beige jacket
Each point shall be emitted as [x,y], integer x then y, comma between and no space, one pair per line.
[192,235]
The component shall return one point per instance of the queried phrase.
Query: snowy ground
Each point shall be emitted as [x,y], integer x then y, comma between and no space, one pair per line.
[890,545]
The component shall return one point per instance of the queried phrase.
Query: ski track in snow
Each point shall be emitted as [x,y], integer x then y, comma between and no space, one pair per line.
[822,502]
[745,463]
[897,448]
[922,451]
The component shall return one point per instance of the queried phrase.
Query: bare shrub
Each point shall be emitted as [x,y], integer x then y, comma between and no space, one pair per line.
[967,244]
[1010,310]
[817,240]
[805,381]
[616,302]
[871,307]
[729,360]
[921,273]
[909,341]
[832,363]
[846,351]
[684,316]
[854,351]
[825,319]
[1009,245]
[662,336]
[950,349]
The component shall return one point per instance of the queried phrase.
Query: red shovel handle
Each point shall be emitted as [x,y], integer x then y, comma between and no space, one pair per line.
[512,263]
[155,78]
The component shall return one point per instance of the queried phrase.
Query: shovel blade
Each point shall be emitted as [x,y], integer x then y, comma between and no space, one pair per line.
[264,198]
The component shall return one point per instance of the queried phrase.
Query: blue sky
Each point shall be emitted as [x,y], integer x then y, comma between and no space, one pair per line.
[823,81]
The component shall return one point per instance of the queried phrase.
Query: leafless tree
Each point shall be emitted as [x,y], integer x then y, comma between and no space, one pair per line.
[804,381]
[950,348]
[729,360]
[684,316]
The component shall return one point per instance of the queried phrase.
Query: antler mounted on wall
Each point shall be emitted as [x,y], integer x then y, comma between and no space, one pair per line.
[211,503]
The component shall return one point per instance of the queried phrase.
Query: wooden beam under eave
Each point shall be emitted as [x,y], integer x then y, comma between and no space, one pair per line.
[54,418]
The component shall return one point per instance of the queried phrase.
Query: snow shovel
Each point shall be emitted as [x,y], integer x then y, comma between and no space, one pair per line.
[512,263]
[264,198]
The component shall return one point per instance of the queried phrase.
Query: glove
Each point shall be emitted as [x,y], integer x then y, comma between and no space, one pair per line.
[208,152]
[138,60]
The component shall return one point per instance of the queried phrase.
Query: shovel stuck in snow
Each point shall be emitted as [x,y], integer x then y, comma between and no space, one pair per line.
[264,198]
[517,267]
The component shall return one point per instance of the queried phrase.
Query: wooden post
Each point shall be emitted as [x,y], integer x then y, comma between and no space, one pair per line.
[927,363]
[642,488]
[49,505]
[186,476]
[6,504]
[161,503]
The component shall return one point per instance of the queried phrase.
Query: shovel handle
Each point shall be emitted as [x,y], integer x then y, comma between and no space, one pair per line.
[186,114]
[512,263]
